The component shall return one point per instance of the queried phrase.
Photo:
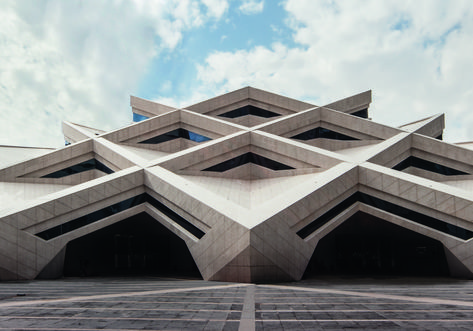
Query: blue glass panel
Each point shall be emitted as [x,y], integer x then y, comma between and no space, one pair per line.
[174,134]
[197,137]
[138,117]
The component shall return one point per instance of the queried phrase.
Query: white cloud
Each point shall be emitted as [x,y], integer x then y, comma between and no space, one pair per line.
[216,8]
[250,7]
[416,56]
[80,61]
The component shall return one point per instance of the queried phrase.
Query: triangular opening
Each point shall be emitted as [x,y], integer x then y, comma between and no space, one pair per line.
[115,208]
[240,158]
[426,157]
[365,245]
[246,158]
[320,132]
[80,167]
[249,110]
[175,134]
[71,165]
[417,162]
[370,200]
[363,113]
[171,132]
[138,245]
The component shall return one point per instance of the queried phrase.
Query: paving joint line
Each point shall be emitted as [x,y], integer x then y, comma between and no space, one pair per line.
[247,320]
[376,295]
[118,295]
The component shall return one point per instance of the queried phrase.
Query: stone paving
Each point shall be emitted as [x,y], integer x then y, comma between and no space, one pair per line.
[172,304]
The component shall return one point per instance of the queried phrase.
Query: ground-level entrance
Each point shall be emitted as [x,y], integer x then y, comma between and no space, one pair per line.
[365,245]
[138,245]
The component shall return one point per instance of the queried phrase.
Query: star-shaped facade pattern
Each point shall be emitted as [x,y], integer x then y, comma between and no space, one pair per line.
[252,182]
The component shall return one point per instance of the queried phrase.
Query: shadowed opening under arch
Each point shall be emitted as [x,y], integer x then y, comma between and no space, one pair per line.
[365,245]
[136,246]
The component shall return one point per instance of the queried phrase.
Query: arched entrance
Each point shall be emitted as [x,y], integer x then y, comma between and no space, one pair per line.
[138,245]
[365,245]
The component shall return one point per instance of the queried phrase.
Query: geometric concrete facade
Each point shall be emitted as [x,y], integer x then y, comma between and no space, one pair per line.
[251,181]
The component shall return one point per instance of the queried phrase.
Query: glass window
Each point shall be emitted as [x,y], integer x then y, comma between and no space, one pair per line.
[416,162]
[249,110]
[321,132]
[138,117]
[174,134]
[116,208]
[78,168]
[248,158]
[389,207]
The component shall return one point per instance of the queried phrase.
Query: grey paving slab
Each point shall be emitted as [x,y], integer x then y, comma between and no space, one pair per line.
[172,304]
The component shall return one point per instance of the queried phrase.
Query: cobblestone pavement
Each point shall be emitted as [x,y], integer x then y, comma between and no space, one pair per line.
[171,304]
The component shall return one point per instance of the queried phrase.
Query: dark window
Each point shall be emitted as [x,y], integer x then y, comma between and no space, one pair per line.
[249,110]
[365,245]
[389,207]
[174,134]
[413,161]
[78,168]
[135,246]
[116,208]
[325,218]
[174,216]
[320,132]
[138,117]
[248,158]
[361,113]
[197,137]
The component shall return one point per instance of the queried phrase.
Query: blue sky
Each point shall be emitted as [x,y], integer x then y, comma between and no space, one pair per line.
[81,60]
[235,30]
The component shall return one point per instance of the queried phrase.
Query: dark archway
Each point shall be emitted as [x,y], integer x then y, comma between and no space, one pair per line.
[365,245]
[136,246]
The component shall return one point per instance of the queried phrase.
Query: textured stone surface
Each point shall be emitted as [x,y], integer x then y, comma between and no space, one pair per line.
[243,222]
[171,304]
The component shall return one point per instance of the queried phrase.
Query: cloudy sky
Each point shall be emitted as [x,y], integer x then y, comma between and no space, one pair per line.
[81,60]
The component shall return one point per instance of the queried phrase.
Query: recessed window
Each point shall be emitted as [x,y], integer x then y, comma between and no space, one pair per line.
[389,207]
[114,209]
[321,132]
[361,113]
[249,110]
[80,167]
[249,158]
[413,161]
[139,118]
[174,134]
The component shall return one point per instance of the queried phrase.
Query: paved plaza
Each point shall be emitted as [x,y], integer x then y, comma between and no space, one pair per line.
[173,304]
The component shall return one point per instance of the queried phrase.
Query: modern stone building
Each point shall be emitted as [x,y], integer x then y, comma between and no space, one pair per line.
[248,186]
